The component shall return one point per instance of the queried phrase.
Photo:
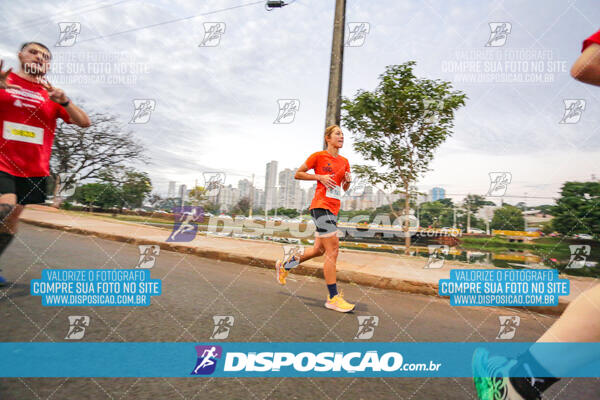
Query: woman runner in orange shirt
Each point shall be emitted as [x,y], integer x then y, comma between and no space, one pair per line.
[332,173]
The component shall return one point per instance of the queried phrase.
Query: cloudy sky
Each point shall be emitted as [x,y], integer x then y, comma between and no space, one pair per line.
[215,105]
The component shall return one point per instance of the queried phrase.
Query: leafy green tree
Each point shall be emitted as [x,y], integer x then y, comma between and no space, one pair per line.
[155,200]
[242,206]
[545,209]
[578,208]
[435,214]
[133,186]
[547,227]
[281,211]
[447,202]
[198,195]
[211,207]
[472,203]
[136,187]
[399,125]
[522,205]
[508,218]
[101,195]
[88,152]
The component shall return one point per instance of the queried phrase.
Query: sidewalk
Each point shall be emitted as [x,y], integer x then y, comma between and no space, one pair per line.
[382,270]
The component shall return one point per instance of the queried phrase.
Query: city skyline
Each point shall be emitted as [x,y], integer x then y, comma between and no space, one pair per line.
[298,194]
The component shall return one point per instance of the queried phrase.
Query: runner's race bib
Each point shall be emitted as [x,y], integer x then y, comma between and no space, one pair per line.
[23,133]
[334,193]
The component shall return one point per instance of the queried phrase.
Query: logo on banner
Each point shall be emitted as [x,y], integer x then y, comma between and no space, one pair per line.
[68,32]
[207,359]
[499,183]
[437,255]
[292,254]
[357,33]
[573,110]
[186,223]
[287,111]
[499,32]
[357,187]
[67,183]
[213,182]
[148,254]
[366,326]
[432,110]
[212,34]
[77,325]
[508,326]
[142,109]
[223,324]
[579,254]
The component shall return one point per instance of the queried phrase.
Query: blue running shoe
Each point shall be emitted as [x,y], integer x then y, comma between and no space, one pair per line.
[491,377]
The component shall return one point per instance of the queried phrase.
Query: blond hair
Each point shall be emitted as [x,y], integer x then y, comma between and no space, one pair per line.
[329,130]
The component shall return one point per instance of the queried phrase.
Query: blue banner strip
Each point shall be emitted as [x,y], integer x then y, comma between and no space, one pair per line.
[229,359]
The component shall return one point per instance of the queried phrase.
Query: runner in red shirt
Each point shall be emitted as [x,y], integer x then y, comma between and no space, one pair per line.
[332,173]
[29,107]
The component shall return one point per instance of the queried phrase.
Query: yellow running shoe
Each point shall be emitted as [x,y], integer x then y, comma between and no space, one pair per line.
[338,303]
[281,272]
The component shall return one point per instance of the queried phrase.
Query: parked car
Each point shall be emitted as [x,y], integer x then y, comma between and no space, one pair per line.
[477,231]
[584,236]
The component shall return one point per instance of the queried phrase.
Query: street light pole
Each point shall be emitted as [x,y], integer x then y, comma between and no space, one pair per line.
[251,197]
[334,95]
[454,218]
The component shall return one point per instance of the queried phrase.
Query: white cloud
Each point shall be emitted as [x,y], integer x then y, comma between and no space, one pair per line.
[216,106]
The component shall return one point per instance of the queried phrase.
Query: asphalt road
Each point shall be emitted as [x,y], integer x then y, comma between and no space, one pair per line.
[196,289]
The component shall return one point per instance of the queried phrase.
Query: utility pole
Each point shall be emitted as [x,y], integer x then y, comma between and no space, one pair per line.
[454,218]
[525,209]
[195,192]
[334,95]
[251,197]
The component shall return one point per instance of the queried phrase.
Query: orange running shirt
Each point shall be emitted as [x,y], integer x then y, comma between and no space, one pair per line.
[325,164]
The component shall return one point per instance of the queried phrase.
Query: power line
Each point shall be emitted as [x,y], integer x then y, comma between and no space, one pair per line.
[41,20]
[517,197]
[169,21]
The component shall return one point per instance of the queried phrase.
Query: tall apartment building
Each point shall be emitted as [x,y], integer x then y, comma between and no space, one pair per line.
[290,195]
[437,193]
[245,186]
[271,186]
[171,192]
[228,197]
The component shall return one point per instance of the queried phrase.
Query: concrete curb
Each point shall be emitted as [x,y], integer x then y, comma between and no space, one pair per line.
[309,268]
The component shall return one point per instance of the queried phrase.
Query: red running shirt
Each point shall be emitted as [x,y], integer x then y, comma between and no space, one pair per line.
[325,164]
[28,118]
[595,38]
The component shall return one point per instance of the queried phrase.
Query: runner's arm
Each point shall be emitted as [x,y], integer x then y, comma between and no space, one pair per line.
[587,67]
[346,186]
[347,180]
[78,116]
[302,175]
